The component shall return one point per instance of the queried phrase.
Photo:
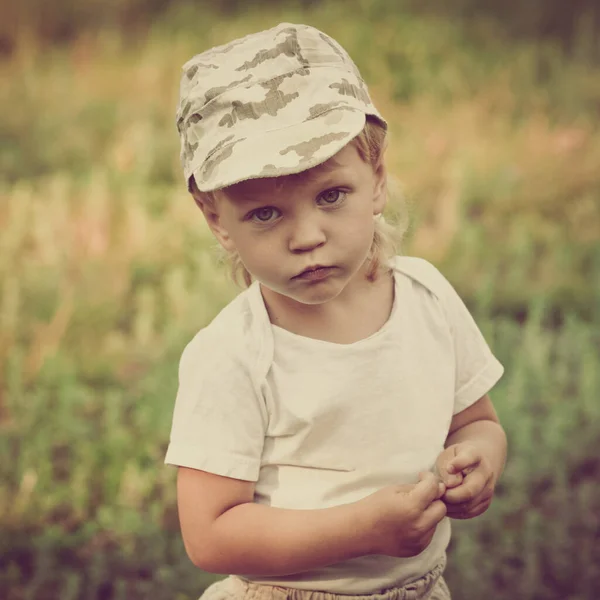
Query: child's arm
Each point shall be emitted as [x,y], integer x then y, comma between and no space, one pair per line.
[473,460]
[224,531]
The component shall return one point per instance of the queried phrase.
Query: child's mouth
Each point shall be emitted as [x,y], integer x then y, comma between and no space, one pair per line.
[315,273]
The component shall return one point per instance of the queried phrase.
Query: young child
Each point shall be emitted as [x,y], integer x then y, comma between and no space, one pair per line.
[313,412]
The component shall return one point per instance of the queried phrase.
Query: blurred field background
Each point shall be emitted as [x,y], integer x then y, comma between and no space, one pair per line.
[107,270]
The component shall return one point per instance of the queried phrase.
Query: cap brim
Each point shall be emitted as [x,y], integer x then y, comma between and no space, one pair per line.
[279,152]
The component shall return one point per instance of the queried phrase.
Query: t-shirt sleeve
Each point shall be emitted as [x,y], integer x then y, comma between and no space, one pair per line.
[477,370]
[219,421]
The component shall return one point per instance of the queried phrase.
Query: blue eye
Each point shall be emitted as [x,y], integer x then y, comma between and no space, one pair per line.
[264,214]
[332,196]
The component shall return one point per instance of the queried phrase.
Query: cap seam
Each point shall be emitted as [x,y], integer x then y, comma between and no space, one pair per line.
[248,84]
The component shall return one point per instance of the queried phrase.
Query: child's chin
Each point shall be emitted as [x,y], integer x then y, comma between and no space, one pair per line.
[315,298]
[308,294]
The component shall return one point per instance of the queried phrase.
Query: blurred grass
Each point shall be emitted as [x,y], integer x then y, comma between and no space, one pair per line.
[106,271]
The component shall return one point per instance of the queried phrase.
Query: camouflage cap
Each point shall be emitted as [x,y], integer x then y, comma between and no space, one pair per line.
[272,103]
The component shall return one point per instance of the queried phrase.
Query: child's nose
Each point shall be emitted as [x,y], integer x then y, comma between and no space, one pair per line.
[306,235]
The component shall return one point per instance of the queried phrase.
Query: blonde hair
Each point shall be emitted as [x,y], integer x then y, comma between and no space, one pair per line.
[371,143]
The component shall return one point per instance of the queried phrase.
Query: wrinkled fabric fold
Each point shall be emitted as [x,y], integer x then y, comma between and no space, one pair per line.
[429,587]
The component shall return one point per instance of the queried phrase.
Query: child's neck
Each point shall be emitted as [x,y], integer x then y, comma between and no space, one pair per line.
[344,320]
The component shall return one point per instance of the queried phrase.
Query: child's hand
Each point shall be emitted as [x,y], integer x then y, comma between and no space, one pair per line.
[469,480]
[450,480]
[404,517]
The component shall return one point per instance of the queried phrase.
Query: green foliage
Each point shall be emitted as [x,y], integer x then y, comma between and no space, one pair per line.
[106,271]
[575,24]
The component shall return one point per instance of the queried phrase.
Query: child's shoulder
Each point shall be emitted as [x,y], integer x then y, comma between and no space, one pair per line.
[237,333]
[423,273]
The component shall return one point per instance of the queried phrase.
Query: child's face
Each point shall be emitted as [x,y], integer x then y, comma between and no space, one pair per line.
[283,226]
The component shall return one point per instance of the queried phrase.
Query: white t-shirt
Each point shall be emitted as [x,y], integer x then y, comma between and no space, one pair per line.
[317,424]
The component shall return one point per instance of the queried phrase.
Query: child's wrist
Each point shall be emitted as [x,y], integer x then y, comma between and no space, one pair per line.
[369,520]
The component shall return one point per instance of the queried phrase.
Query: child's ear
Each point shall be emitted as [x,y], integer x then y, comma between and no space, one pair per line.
[213,218]
[380,191]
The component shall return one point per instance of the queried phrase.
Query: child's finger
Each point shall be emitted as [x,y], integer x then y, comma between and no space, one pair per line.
[441,484]
[428,489]
[449,479]
[468,510]
[467,458]
[472,485]
[433,514]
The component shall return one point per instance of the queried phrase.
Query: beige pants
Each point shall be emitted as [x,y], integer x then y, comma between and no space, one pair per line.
[430,587]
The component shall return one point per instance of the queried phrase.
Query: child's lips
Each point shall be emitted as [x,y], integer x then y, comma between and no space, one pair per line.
[315,273]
